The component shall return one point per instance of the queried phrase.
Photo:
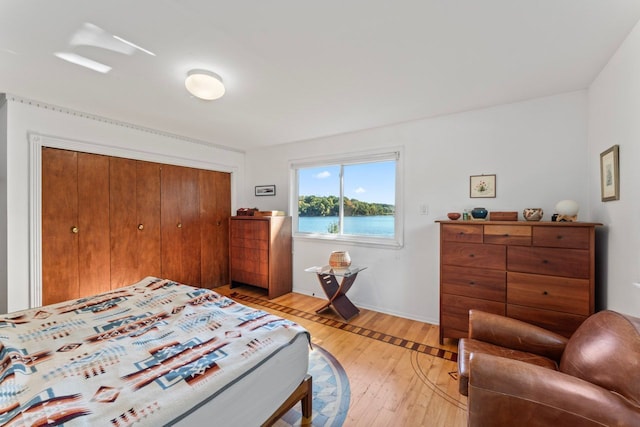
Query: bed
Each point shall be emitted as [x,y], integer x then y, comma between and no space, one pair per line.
[153,353]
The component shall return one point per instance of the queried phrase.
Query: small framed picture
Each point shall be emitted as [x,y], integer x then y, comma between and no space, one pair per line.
[610,174]
[265,190]
[482,186]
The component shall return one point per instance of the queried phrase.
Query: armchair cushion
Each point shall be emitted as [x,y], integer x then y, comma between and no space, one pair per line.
[507,337]
[504,392]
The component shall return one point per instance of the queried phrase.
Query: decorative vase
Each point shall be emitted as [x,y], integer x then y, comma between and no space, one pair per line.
[339,260]
[479,213]
[532,214]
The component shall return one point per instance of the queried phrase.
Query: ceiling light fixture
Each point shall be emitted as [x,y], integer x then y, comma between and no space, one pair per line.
[204,84]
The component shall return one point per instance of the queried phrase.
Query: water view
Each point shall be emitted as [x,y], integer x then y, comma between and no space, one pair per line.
[382,225]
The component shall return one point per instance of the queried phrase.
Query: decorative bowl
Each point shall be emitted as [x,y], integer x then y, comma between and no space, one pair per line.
[479,213]
[453,215]
[339,260]
[532,214]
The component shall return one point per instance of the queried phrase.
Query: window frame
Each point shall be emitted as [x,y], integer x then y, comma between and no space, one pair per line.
[394,153]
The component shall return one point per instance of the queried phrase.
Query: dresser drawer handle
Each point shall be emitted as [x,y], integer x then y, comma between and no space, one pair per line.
[559,237]
[545,293]
[472,283]
[544,261]
[471,255]
[505,235]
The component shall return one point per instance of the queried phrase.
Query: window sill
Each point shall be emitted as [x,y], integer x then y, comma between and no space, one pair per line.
[353,240]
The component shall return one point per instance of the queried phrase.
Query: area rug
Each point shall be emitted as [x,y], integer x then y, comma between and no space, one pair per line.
[331,393]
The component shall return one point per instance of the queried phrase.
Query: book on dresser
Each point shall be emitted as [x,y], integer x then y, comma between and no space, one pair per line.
[539,272]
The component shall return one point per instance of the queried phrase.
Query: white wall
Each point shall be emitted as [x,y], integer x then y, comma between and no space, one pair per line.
[536,148]
[614,118]
[109,137]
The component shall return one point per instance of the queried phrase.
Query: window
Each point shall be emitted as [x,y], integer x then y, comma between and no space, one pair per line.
[353,199]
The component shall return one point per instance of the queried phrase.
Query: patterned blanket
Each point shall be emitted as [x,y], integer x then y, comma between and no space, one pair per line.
[143,354]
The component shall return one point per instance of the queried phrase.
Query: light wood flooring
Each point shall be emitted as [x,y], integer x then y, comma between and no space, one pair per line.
[398,372]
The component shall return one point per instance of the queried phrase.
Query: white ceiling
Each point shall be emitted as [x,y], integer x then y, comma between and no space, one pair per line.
[296,69]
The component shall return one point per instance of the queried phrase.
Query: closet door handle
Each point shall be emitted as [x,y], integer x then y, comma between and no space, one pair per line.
[74,230]
[140,227]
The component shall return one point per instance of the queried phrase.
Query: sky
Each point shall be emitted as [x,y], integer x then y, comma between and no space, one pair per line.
[367,182]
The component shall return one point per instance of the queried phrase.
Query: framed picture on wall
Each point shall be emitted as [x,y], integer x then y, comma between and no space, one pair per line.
[610,174]
[482,186]
[265,190]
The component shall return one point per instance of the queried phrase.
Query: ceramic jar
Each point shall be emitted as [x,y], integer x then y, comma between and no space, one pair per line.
[479,213]
[532,214]
[339,260]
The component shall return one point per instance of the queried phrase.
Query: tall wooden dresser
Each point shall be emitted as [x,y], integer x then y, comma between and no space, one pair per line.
[539,272]
[260,253]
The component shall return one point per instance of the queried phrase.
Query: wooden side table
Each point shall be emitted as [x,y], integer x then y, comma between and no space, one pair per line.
[336,293]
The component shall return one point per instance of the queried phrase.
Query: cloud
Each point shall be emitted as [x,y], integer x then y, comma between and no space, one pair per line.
[322,175]
[360,190]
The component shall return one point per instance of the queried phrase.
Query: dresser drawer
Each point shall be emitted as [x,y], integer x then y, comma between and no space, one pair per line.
[461,233]
[562,237]
[561,323]
[249,229]
[473,282]
[456,315]
[474,255]
[250,259]
[551,261]
[508,234]
[250,278]
[549,292]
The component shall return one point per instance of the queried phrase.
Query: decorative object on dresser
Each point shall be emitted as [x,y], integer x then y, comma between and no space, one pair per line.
[479,213]
[609,174]
[539,272]
[453,216]
[532,214]
[482,186]
[260,253]
[566,211]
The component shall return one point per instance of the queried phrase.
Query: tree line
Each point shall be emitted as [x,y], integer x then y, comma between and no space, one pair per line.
[330,206]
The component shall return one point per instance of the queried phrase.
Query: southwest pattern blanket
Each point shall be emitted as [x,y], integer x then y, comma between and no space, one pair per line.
[143,354]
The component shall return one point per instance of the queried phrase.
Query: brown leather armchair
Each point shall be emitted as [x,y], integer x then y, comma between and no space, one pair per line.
[518,374]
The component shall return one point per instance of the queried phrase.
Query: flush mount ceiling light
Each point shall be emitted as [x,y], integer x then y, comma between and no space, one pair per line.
[204,84]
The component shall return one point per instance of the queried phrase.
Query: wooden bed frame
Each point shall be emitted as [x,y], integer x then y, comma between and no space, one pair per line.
[302,394]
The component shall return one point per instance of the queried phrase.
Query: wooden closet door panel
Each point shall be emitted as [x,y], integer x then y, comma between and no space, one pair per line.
[148,207]
[135,220]
[122,208]
[180,224]
[215,207]
[94,265]
[60,280]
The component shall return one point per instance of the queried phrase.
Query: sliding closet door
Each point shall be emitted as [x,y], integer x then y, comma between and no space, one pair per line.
[215,208]
[75,225]
[180,224]
[93,221]
[60,279]
[135,220]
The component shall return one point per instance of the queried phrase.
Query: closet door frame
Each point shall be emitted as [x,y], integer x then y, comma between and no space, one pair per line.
[38,140]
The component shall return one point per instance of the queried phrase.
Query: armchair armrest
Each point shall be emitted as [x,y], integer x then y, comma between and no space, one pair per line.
[505,392]
[515,334]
